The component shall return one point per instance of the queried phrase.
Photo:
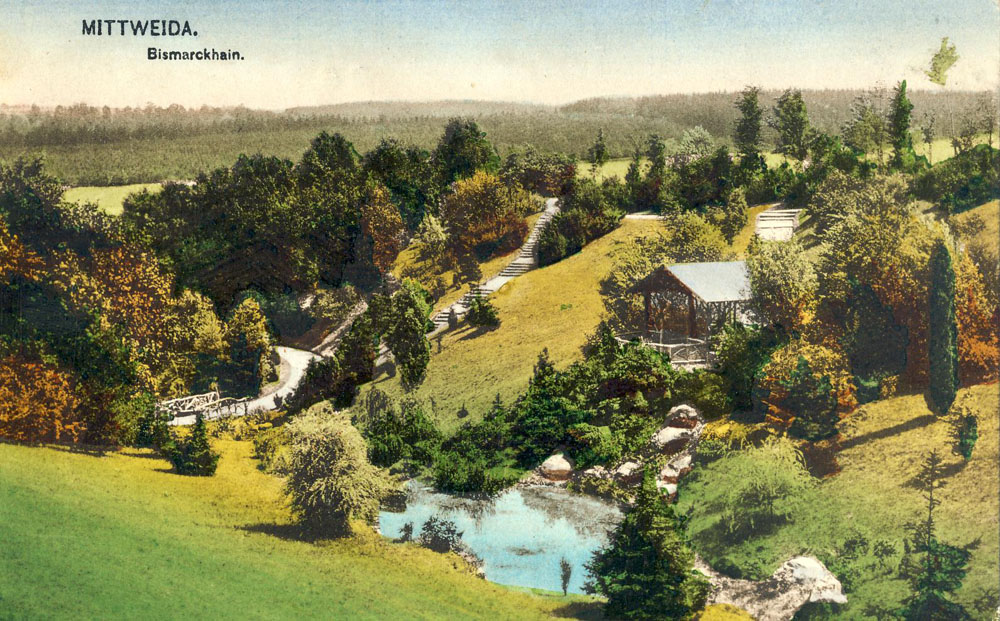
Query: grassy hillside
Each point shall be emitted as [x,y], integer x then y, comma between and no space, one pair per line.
[108,198]
[118,536]
[554,307]
[873,496]
[990,215]
[409,264]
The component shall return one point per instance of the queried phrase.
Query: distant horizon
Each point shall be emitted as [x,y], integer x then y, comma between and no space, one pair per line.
[511,102]
[281,54]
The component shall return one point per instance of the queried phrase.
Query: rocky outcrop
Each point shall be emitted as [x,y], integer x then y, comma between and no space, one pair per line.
[556,468]
[798,581]
[679,439]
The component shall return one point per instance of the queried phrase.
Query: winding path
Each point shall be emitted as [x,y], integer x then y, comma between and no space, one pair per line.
[295,360]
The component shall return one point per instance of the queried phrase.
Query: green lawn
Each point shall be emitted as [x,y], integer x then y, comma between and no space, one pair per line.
[612,168]
[108,198]
[118,536]
[882,447]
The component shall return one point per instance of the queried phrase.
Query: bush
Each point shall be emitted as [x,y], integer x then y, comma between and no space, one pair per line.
[962,182]
[330,481]
[758,479]
[811,399]
[397,431]
[193,456]
[588,211]
[965,433]
[705,390]
[271,447]
[441,535]
[482,313]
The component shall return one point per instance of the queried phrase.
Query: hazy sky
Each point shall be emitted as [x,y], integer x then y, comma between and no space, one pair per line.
[546,51]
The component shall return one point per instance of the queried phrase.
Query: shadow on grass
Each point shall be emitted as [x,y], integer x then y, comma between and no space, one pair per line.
[888,432]
[479,331]
[580,610]
[293,532]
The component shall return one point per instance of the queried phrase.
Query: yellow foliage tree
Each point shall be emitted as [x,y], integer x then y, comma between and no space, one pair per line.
[37,402]
[380,221]
[978,348]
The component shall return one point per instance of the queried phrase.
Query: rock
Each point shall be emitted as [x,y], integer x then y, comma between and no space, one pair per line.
[596,472]
[556,468]
[683,411]
[670,438]
[798,581]
[629,472]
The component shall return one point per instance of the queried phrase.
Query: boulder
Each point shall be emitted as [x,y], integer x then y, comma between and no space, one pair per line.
[556,468]
[683,411]
[629,472]
[596,472]
[799,580]
[671,439]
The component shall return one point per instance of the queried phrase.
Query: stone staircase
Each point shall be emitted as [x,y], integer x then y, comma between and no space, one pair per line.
[777,224]
[526,260]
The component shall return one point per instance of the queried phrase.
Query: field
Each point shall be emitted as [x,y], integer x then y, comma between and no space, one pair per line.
[873,496]
[157,145]
[616,167]
[108,198]
[118,536]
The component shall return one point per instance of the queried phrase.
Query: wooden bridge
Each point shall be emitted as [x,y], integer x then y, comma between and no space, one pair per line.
[210,405]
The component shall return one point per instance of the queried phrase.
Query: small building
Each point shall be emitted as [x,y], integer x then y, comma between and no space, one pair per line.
[684,302]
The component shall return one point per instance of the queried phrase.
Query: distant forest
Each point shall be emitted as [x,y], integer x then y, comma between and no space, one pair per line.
[87,145]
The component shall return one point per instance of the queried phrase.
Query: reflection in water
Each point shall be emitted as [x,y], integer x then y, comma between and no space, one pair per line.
[520,534]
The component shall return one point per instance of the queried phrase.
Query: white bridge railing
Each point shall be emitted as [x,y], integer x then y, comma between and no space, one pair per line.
[210,405]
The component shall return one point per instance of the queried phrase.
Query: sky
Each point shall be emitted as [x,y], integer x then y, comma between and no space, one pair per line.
[314,52]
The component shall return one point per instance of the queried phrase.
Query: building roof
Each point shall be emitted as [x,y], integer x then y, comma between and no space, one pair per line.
[719,281]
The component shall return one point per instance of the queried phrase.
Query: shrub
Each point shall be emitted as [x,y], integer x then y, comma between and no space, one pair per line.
[965,432]
[441,535]
[397,431]
[330,481]
[705,390]
[810,397]
[37,402]
[193,456]
[482,313]
[758,479]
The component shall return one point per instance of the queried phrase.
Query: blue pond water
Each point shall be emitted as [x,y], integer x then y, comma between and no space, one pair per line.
[521,534]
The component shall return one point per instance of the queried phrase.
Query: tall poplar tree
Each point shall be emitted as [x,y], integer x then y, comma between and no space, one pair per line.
[942,341]
[899,128]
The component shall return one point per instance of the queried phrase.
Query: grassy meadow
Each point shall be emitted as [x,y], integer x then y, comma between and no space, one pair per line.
[873,496]
[108,198]
[119,536]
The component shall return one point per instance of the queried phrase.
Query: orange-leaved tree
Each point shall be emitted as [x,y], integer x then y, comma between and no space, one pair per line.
[978,350]
[37,402]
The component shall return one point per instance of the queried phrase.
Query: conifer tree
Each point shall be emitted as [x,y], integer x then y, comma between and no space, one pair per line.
[934,569]
[747,135]
[646,569]
[942,341]
[598,152]
[899,128]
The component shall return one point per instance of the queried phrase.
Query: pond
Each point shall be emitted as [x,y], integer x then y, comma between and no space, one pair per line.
[521,534]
